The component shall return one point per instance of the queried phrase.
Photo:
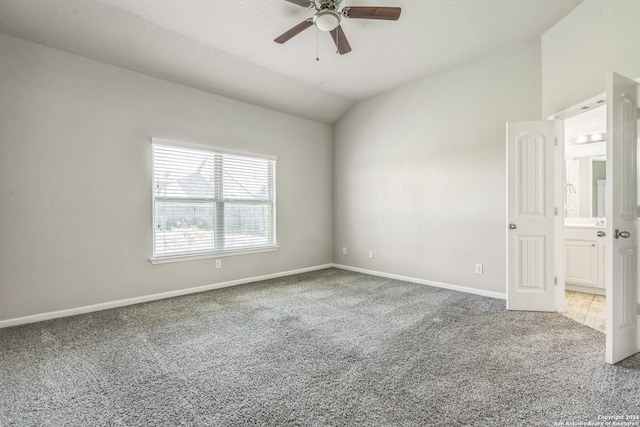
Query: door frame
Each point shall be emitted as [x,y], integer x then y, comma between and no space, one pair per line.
[574,110]
[559,184]
[560,166]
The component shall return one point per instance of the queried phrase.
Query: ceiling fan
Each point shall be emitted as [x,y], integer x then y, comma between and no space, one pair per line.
[328,17]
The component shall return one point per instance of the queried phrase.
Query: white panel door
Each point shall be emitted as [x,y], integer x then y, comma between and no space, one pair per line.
[530,216]
[621,201]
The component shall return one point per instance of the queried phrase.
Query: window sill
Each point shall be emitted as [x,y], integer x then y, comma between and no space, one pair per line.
[180,258]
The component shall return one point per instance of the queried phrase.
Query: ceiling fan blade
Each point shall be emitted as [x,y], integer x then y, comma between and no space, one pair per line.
[340,40]
[366,12]
[294,31]
[303,3]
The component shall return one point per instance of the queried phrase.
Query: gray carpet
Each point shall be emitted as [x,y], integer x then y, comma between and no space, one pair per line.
[328,348]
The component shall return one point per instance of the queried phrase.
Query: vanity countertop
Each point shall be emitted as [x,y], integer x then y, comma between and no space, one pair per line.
[596,226]
[576,222]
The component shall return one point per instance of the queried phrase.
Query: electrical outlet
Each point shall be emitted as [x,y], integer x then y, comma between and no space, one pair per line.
[344,251]
[370,254]
[479,268]
[218,263]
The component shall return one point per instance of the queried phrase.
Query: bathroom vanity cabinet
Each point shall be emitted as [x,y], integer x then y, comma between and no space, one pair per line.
[584,257]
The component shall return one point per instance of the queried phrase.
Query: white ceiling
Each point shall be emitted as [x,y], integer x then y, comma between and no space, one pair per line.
[227,47]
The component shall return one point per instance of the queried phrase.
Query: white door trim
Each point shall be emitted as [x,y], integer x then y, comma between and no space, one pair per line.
[560,175]
[574,110]
[560,166]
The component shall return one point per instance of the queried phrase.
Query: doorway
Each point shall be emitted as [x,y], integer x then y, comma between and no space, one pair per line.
[584,216]
[535,226]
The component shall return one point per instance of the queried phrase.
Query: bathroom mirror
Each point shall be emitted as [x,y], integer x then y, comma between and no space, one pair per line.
[585,155]
[585,188]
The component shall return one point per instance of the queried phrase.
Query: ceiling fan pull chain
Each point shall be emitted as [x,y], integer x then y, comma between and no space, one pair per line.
[317,48]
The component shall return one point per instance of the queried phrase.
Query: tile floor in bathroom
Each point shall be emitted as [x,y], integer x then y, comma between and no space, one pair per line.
[587,309]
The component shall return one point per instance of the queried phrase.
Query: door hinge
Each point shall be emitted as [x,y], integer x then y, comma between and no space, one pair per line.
[555,140]
[555,210]
[555,281]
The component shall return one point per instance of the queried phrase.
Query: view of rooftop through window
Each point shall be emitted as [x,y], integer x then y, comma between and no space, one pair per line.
[209,201]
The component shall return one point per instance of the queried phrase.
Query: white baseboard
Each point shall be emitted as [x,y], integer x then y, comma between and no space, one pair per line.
[153,297]
[584,289]
[481,292]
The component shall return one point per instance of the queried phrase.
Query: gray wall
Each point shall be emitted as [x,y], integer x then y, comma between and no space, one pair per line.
[75,180]
[419,172]
[596,38]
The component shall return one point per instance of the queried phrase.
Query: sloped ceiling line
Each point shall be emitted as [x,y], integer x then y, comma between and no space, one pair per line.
[226,47]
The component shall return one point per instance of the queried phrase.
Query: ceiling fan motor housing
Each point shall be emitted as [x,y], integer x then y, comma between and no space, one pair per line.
[327,4]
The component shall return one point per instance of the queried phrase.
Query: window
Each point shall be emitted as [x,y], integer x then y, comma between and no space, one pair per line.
[210,201]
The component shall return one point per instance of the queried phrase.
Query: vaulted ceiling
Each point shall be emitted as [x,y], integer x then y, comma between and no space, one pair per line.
[226,47]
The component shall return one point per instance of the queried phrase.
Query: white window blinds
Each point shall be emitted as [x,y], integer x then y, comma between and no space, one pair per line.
[211,201]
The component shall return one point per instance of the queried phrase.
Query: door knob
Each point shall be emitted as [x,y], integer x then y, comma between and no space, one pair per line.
[601,234]
[512,226]
[623,234]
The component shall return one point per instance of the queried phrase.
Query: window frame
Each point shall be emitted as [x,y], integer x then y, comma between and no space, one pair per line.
[219,203]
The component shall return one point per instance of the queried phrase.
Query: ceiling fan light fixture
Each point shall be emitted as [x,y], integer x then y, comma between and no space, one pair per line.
[326,20]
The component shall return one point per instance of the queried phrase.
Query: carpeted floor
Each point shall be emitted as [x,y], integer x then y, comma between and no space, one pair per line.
[328,348]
